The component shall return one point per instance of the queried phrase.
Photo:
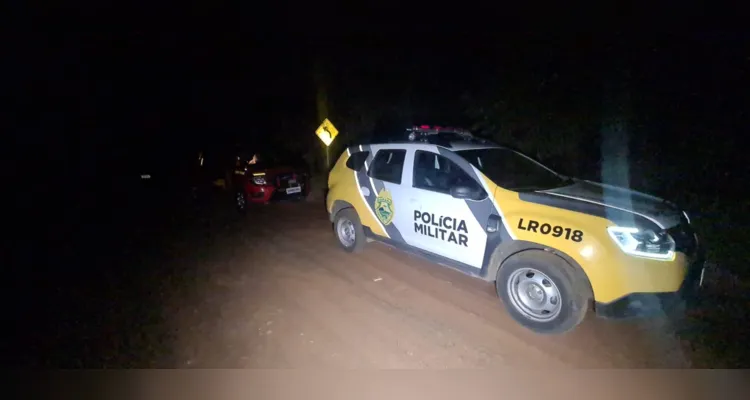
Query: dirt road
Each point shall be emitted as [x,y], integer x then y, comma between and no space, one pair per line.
[272,290]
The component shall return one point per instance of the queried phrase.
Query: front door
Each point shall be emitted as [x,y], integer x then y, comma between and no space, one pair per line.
[447,226]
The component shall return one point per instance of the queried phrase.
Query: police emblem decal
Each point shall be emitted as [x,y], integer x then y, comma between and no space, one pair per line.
[384,207]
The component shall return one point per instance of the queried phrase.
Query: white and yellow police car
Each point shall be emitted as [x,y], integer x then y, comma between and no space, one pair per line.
[553,245]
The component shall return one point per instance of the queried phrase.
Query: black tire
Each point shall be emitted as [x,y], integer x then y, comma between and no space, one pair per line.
[240,201]
[574,292]
[342,217]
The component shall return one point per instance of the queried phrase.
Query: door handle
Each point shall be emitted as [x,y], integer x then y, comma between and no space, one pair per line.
[493,223]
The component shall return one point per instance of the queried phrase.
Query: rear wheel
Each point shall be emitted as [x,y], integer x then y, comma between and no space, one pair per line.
[542,292]
[349,231]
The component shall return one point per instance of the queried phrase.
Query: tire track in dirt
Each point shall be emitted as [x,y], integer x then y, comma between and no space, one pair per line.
[360,277]
[417,311]
[363,307]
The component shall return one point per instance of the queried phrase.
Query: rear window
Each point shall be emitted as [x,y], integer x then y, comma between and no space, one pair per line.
[357,160]
[388,165]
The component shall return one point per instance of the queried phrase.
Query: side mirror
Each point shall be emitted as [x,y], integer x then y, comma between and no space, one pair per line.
[468,192]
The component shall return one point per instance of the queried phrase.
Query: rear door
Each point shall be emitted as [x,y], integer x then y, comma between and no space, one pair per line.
[382,188]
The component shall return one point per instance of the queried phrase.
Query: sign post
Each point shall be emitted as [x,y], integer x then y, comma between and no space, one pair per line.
[326,132]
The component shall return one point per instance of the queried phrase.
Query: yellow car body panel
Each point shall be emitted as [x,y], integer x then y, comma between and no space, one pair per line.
[611,273]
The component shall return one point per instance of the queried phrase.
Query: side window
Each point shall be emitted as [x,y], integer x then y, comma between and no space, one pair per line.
[357,160]
[388,165]
[437,173]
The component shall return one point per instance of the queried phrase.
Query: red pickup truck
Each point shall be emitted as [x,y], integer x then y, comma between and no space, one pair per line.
[261,180]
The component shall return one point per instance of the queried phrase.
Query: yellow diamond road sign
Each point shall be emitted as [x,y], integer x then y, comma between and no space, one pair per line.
[327,132]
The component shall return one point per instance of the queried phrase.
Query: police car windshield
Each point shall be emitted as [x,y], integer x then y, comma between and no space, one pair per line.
[512,170]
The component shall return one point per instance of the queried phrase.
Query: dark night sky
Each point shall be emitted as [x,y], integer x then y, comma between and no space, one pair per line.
[98,86]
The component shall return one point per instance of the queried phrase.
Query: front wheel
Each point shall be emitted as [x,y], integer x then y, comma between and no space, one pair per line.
[542,292]
[349,231]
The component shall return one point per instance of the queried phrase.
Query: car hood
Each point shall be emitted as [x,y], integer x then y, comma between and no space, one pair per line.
[657,210]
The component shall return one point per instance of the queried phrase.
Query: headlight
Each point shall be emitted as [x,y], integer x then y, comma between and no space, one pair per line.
[643,243]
